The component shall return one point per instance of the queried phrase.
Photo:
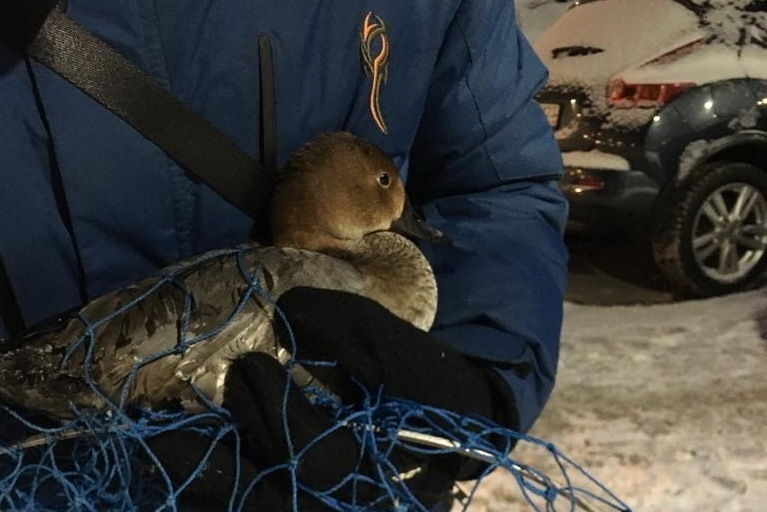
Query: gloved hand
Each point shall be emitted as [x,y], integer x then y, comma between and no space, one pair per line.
[380,350]
[254,390]
[255,387]
[254,393]
[180,454]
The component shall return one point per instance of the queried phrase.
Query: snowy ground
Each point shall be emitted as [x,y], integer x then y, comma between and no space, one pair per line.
[667,404]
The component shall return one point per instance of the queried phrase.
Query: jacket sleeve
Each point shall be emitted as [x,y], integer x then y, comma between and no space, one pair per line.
[483,169]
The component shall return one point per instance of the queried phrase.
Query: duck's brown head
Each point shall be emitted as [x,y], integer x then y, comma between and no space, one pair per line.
[337,189]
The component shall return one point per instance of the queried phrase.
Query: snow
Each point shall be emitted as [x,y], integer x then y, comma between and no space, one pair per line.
[625,43]
[732,23]
[648,41]
[696,151]
[754,61]
[748,119]
[595,160]
[535,16]
[632,118]
[710,63]
[666,404]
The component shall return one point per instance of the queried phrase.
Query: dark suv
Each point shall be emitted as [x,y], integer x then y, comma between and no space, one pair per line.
[660,110]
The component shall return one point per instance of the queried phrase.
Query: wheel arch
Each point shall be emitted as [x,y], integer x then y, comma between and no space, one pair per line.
[704,122]
[748,147]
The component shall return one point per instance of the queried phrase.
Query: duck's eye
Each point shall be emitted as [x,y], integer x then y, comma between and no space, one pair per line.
[384,179]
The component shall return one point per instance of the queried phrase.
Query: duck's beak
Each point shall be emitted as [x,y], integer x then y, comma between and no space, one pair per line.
[411,224]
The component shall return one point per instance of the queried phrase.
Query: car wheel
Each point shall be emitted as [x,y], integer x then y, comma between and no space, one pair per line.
[715,239]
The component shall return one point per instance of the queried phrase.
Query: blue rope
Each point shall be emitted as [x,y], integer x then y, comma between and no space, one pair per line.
[101,460]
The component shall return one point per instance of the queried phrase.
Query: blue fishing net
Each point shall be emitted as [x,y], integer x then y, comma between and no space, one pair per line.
[102,459]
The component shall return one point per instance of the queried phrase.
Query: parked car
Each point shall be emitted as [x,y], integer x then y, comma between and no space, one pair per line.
[660,110]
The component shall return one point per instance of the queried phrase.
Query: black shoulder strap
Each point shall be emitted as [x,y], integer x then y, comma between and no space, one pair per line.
[40,29]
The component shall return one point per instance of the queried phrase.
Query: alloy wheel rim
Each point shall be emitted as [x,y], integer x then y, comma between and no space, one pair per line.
[729,235]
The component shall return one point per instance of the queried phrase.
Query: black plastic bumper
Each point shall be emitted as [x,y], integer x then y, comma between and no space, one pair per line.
[609,200]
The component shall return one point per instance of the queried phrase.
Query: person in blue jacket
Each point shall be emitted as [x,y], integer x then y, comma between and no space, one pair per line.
[88,205]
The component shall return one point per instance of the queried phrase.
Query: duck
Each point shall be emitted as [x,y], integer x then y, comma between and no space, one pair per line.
[338,217]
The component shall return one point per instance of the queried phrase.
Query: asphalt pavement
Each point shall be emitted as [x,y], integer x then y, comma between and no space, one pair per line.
[614,270]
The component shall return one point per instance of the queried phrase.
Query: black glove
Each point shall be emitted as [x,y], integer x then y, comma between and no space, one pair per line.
[254,392]
[381,350]
[180,454]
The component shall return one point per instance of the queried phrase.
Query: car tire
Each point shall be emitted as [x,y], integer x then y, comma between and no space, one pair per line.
[694,246]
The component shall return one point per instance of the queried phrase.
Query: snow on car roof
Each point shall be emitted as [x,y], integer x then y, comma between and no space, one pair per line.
[602,39]
[617,35]
[710,63]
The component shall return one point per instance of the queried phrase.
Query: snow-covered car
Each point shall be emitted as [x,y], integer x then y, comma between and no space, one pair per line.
[660,110]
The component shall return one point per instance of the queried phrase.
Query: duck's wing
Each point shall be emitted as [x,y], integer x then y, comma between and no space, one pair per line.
[152,341]
[276,270]
[88,361]
[50,373]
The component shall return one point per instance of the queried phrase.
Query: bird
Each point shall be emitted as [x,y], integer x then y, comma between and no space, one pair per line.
[332,216]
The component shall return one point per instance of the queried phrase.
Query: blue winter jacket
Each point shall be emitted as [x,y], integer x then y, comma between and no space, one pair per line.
[81,189]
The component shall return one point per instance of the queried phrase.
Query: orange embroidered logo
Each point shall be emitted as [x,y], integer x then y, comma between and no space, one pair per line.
[373,37]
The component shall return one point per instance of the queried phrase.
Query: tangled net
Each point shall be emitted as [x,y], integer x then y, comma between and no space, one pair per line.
[102,459]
